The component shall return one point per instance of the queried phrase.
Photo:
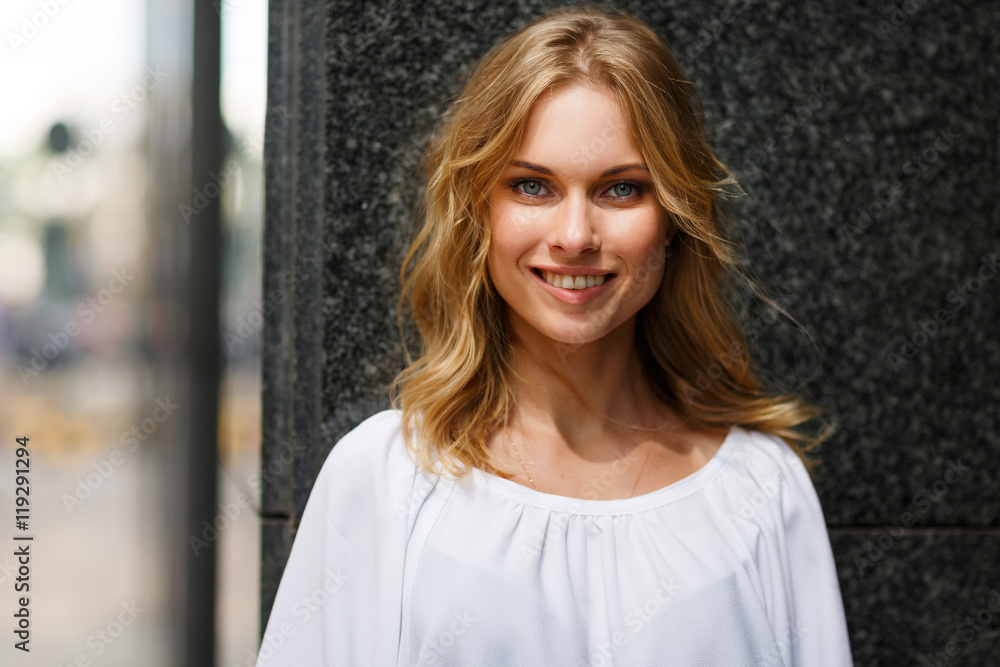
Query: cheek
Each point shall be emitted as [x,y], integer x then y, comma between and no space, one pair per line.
[646,252]
[500,259]
[642,246]
[510,237]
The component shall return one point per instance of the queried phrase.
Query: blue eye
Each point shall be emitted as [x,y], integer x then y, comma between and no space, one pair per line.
[532,187]
[630,189]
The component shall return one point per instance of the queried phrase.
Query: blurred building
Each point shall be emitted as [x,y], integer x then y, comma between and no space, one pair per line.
[130,220]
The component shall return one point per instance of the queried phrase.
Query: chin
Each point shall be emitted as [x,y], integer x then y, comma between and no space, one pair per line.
[576,336]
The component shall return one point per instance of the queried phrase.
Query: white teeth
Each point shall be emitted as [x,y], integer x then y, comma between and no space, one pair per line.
[571,282]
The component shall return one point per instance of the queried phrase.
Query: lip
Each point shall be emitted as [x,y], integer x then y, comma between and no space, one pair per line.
[574,296]
[573,270]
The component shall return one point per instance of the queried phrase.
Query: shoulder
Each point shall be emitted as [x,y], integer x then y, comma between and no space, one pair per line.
[766,450]
[767,482]
[756,454]
[370,472]
[775,516]
[369,465]
[379,427]
[348,554]
[376,444]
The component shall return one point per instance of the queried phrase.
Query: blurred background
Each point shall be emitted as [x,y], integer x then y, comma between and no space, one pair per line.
[131,203]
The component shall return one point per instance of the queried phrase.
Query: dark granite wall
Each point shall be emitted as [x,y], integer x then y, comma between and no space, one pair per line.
[865,138]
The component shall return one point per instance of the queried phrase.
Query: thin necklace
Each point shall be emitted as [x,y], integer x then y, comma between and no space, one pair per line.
[526,474]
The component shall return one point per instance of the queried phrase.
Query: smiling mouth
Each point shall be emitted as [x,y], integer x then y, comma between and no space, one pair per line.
[572,282]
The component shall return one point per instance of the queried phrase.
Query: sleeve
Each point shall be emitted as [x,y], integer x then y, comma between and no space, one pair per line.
[799,573]
[338,602]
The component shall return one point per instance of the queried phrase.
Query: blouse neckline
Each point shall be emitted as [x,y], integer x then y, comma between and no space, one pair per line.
[647,501]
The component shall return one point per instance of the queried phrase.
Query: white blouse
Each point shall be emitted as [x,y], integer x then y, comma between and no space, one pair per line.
[390,566]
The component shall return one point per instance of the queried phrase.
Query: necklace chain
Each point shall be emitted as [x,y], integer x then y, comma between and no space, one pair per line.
[528,475]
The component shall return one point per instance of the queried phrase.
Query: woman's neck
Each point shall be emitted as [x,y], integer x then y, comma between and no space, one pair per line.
[582,396]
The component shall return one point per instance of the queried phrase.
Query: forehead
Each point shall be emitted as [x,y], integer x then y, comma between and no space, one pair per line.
[577,128]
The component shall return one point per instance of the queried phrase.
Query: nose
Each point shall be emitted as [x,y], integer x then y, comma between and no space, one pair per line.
[573,230]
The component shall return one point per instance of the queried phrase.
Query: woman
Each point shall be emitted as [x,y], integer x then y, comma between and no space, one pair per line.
[581,468]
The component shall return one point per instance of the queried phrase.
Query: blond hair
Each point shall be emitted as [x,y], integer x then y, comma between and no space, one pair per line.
[458,392]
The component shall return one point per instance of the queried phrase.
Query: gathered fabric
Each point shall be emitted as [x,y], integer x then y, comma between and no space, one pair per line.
[393,566]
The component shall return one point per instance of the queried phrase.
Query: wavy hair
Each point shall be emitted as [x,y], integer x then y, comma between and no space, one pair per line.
[458,392]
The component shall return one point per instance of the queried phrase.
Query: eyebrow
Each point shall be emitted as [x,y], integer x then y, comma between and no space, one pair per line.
[609,172]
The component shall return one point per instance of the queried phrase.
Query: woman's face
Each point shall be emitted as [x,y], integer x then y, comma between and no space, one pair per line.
[578,238]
